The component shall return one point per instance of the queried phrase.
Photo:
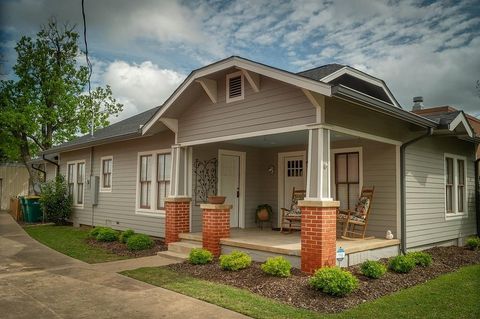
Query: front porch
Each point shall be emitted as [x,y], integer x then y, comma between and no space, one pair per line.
[262,244]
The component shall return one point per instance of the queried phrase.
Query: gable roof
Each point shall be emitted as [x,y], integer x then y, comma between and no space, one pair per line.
[451,120]
[128,128]
[320,72]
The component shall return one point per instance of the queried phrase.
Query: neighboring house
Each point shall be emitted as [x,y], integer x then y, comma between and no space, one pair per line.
[252,132]
[14,181]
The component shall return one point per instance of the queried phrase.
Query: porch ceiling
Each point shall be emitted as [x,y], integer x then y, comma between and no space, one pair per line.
[286,139]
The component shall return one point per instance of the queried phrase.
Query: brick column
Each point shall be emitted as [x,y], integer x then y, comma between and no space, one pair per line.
[318,234]
[216,225]
[177,218]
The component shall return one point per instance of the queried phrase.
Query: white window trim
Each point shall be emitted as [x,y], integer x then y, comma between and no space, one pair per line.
[455,214]
[335,151]
[75,190]
[227,87]
[153,211]
[102,188]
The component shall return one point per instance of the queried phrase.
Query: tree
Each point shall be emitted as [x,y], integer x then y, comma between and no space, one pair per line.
[47,104]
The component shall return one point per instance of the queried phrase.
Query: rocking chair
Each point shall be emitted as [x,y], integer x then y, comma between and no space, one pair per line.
[357,218]
[292,215]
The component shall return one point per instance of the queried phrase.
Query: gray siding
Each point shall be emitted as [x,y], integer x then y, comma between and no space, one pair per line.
[379,170]
[425,186]
[117,208]
[276,105]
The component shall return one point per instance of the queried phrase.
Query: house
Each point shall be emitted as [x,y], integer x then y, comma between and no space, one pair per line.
[252,132]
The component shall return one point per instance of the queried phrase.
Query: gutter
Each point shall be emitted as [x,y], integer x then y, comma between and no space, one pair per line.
[52,162]
[380,106]
[403,210]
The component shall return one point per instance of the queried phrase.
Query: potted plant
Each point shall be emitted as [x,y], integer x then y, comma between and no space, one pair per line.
[263,212]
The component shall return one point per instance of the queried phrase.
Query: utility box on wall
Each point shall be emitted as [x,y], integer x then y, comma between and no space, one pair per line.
[94,189]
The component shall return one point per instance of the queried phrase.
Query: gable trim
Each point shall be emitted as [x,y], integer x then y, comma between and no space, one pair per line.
[281,75]
[364,77]
[461,119]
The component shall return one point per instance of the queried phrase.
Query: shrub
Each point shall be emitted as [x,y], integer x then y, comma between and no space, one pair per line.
[402,264]
[125,235]
[139,242]
[107,234]
[334,281]
[94,231]
[473,243]
[277,266]
[421,258]
[55,200]
[373,269]
[236,260]
[200,256]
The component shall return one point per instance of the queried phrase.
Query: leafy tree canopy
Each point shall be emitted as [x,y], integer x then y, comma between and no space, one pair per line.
[47,104]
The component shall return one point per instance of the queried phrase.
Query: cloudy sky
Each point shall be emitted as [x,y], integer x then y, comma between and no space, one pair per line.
[145,48]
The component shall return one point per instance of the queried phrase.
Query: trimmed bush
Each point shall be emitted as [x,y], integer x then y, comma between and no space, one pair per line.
[277,266]
[334,281]
[402,264]
[107,234]
[139,242]
[373,269]
[200,256]
[473,243]
[55,200]
[421,258]
[236,260]
[125,235]
[94,231]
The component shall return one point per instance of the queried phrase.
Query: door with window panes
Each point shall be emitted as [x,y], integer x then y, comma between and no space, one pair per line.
[347,179]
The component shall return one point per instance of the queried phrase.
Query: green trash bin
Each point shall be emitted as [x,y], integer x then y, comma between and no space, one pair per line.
[34,213]
[23,204]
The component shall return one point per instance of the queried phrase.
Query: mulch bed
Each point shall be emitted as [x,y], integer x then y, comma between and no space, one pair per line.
[121,249]
[295,290]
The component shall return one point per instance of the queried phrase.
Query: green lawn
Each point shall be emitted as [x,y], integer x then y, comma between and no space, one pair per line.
[455,295]
[70,241]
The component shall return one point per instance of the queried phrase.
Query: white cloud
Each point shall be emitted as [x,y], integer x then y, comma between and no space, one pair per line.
[140,86]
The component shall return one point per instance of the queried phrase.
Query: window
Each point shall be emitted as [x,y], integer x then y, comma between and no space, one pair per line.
[106,174]
[153,181]
[163,179]
[235,87]
[347,179]
[76,181]
[455,186]
[145,180]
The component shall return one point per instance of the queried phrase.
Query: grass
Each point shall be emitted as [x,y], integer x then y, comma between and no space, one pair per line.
[70,241]
[454,295]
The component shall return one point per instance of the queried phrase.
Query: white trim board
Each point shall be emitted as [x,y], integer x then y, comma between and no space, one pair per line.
[461,119]
[364,77]
[243,166]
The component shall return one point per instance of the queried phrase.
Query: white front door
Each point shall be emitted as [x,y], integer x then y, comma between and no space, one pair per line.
[230,183]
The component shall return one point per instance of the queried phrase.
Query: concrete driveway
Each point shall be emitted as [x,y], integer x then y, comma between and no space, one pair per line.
[38,282]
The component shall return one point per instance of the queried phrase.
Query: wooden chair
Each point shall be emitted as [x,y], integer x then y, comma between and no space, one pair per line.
[357,218]
[292,215]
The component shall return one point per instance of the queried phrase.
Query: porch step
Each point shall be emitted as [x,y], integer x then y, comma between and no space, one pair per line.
[183,247]
[173,255]
[191,237]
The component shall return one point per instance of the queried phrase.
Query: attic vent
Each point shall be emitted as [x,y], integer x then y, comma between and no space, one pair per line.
[235,88]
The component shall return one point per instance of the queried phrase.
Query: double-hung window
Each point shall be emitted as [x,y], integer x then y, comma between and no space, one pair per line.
[455,186]
[153,181]
[76,182]
[106,166]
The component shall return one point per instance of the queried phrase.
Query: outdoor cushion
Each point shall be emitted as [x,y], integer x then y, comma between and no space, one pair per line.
[361,209]
[294,210]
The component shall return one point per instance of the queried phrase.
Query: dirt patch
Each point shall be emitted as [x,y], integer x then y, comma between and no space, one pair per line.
[295,290]
[121,249]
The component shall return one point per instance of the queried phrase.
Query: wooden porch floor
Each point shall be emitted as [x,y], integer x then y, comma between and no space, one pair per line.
[287,244]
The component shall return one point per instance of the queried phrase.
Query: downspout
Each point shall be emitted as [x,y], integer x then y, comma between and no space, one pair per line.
[403,212]
[52,162]
[91,184]
[477,193]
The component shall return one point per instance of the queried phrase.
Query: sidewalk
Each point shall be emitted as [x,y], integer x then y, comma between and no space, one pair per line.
[38,282]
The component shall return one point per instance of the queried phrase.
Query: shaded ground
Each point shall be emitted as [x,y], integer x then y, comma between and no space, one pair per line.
[295,290]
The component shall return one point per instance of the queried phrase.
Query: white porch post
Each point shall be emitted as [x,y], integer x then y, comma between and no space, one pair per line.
[181,164]
[318,171]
